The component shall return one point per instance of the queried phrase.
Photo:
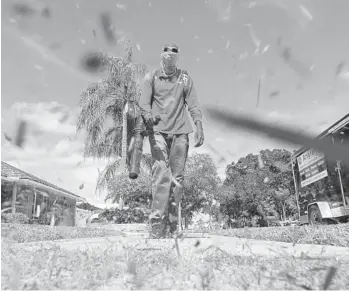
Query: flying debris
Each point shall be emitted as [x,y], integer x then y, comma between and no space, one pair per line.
[120,6]
[339,68]
[7,137]
[46,12]
[258,90]
[77,5]
[196,37]
[306,13]
[225,16]
[286,54]
[108,27]
[344,75]
[265,49]
[255,40]
[23,9]
[94,33]
[138,47]
[20,134]
[83,41]
[227,45]
[91,62]
[243,56]
[295,64]
[210,51]
[81,186]
[325,146]
[274,94]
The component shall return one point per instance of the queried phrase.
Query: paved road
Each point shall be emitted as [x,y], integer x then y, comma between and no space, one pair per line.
[197,243]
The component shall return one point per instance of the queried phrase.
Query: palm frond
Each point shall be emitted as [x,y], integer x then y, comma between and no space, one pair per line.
[105,143]
[109,172]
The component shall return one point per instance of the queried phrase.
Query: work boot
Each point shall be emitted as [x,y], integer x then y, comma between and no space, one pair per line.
[172,226]
[157,228]
[173,229]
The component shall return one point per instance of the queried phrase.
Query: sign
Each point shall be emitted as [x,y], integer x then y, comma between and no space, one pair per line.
[307,158]
[312,167]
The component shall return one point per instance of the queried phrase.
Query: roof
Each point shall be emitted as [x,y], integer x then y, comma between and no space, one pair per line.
[334,127]
[10,171]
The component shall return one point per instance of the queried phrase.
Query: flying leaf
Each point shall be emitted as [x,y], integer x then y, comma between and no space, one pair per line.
[108,27]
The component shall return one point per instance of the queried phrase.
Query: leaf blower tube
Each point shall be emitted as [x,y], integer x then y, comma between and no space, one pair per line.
[140,132]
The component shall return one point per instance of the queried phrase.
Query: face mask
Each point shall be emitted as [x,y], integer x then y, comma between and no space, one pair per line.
[169,60]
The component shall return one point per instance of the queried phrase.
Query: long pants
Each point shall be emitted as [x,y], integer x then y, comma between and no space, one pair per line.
[169,154]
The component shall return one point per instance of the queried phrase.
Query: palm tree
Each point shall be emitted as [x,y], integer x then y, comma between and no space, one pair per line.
[107,112]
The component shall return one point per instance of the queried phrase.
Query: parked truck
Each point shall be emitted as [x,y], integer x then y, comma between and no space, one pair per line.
[322,186]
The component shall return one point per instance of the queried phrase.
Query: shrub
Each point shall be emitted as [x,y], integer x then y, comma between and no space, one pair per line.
[45,219]
[14,218]
[126,215]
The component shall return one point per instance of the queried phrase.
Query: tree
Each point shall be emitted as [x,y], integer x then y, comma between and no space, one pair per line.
[136,193]
[285,203]
[230,201]
[200,183]
[260,185]
[107,112]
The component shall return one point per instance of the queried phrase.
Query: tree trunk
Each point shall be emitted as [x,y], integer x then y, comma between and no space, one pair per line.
[124,148]
[186,222]
[284,211]
[180,228]
[124,139]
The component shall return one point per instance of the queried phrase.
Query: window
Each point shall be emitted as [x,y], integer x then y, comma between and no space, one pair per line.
[6,194]
[41,203]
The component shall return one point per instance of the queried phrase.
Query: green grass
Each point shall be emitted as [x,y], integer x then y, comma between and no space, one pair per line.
[337,235]
[29,233]
[129,268]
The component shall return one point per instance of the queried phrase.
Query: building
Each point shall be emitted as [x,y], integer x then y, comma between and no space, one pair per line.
[40,200]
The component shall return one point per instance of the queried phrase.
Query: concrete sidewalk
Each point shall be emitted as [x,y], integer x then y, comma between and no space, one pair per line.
[197,244]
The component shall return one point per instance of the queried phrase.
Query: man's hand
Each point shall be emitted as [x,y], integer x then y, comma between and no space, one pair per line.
[148,120]
[199,135]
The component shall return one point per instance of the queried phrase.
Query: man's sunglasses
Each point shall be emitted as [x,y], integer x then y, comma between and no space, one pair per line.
[170,49]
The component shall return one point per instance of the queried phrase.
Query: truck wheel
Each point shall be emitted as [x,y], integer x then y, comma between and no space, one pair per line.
[315,217]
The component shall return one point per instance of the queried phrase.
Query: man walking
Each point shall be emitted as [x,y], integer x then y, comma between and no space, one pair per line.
[167,92]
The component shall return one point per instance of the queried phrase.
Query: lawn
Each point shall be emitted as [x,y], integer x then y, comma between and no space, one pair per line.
[337,235]
[29,233]
[129,268]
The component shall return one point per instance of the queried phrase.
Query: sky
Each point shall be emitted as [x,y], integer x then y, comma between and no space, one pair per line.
[226,46]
